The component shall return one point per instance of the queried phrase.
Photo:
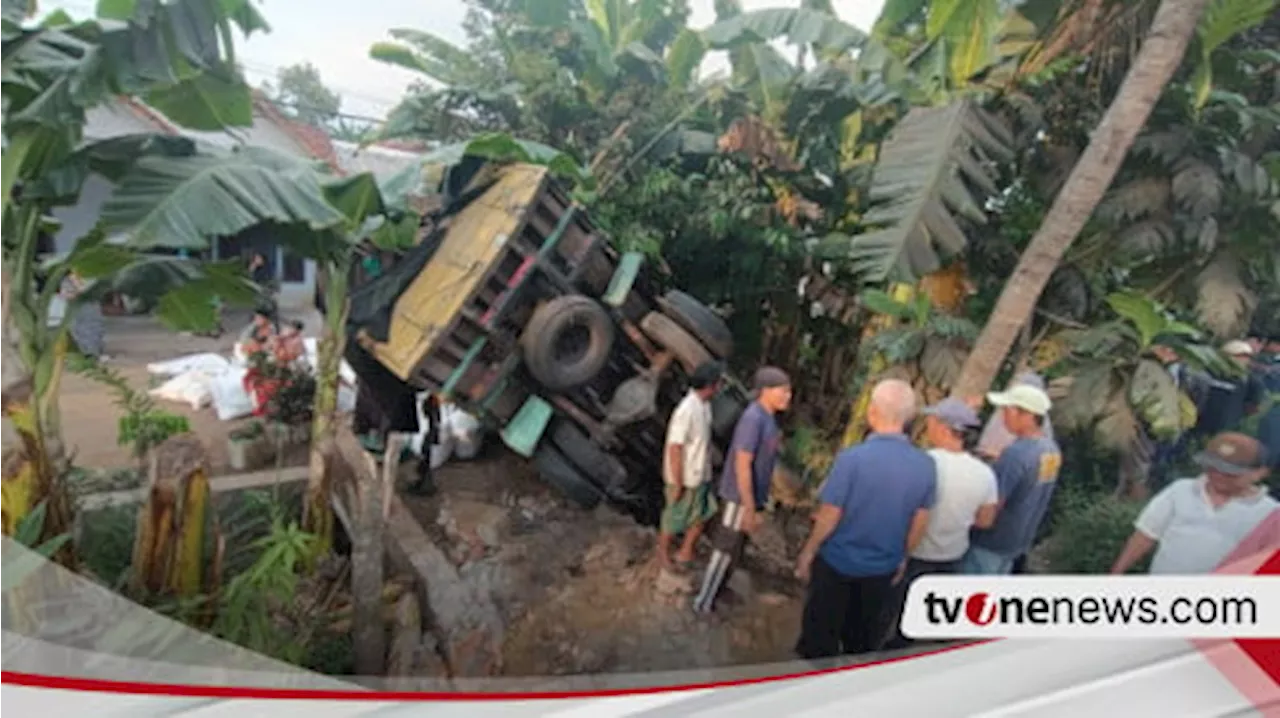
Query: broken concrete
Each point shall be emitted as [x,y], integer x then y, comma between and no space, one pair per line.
[465,619]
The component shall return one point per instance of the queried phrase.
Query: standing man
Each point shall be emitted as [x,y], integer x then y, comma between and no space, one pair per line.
[1231,400]
[425,483]
[996,436]
[874,508]
[1026,476]
[686,468]
[1196,523]
[967,498]
[263,276]
[744,481]
[1267,368]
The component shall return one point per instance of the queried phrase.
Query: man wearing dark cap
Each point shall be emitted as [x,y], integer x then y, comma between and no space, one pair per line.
[745,479]
[686,467]
[1193,524]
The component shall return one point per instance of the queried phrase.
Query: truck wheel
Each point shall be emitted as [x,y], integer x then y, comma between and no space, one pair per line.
[556,470]
[596,464]
[567,342]
[663,330]
[698,319]
[725,412]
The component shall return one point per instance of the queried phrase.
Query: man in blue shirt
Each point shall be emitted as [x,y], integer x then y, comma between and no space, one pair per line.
[1026,476]
[745,478]
[874,510]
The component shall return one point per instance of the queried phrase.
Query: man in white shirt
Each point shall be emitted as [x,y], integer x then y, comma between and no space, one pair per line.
[686,468]
[1193,524]
[967,497]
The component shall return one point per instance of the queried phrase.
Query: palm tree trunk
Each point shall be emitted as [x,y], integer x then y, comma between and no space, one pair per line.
[1161,53]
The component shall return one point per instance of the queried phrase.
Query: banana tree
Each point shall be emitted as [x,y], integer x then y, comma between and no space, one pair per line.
[1117,387]
[54,73]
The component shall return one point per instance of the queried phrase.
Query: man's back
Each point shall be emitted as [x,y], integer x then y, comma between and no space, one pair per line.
[965,484]
[879,484]
[1026,474]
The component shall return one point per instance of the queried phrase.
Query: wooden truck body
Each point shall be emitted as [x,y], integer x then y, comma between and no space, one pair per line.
[528,318]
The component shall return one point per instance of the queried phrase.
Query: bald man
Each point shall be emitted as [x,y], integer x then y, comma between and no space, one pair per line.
[874,510]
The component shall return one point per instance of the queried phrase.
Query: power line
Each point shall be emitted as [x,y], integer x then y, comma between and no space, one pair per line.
[320,110]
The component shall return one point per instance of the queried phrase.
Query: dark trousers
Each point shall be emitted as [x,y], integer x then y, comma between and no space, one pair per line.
[915,569]
[842,614]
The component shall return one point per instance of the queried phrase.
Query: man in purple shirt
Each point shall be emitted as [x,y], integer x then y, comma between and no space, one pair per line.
[745,479]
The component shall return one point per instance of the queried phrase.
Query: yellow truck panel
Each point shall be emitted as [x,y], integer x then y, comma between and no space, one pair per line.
[473,243]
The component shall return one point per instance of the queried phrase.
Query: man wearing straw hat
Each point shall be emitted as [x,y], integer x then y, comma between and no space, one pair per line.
[745,479]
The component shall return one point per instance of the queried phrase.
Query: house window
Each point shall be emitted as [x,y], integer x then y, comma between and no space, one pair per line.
[295,268]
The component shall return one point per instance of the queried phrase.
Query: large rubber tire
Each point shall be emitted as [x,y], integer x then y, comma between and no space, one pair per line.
[663,330]
[698,319]
[726,409]
[556,470]
[599,466]
[561,320]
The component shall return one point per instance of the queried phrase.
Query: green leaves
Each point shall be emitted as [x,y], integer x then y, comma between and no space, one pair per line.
[1222,20]
[502,147]
[209,101]
[31,528]
[1156,398]
[181,201]
[937,167]
[427,54]
[970,28]
[799,26]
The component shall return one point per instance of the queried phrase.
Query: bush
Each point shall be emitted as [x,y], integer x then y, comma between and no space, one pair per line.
[1089,533]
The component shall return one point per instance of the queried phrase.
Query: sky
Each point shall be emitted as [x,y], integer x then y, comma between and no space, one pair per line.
[335,35]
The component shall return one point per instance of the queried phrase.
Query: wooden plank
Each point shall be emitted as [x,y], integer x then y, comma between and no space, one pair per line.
[475,242]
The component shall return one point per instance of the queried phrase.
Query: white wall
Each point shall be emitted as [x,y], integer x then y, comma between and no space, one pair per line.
[114,119]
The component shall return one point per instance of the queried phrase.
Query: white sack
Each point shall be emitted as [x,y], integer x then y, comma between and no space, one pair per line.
[207,363]
[190,387]
[230,400]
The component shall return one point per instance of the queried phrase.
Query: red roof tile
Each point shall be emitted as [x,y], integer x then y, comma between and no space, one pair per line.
[314,141]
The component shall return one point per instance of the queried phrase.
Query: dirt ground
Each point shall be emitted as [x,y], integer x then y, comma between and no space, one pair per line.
[89,413]
[578,591]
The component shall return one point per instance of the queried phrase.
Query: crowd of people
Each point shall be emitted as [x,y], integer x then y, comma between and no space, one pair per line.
[972,503]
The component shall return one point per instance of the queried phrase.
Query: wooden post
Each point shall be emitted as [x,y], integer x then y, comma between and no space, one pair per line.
[369,631]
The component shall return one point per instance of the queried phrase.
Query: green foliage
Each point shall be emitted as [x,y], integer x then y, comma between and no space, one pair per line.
[292,402]
[302,94]
[250,607]
[1090,531]
[144,425]
[31,528]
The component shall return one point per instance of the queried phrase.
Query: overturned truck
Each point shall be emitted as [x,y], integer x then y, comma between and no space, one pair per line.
[515,307]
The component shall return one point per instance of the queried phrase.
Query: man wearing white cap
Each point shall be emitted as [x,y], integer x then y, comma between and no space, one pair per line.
[996,437]
[1026,476]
